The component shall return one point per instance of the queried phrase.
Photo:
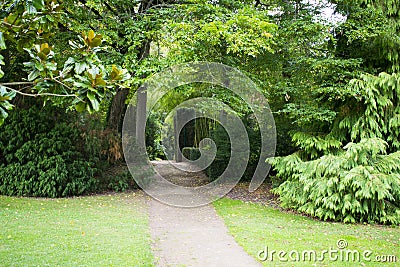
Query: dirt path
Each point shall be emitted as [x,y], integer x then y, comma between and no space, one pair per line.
[192,236]
[179,177]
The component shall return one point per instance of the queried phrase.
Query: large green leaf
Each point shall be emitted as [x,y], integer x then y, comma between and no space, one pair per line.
[3,90]
[95,42]
[80,107]
[93,101]
[5,97]
[33,75]
[1,63]
[38,4]
[3,113]
[80,67]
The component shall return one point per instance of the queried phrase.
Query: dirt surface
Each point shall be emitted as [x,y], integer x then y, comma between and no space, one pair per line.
[178,175]
[262,195]
[191,236]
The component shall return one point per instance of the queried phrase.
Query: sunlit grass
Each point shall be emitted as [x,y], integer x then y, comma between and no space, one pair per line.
[257,227]
[108,230]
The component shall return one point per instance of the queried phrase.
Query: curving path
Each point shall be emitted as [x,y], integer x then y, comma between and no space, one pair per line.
[192,236]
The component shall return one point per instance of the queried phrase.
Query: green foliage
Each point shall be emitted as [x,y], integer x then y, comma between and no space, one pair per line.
[244,33]
[121,182]
[315,146]
[346,167]
[371,32]
[223,145]
[118,178]
[153,137]
[361,184]
[191,153]
[5,105]
[77,78]
[43,156]
[377,111]
[1,62]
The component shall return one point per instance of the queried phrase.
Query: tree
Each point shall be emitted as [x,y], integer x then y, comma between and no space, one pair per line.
[347,167]
[79,79]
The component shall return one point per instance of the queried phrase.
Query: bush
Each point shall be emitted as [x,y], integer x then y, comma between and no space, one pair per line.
[153,137]
[361,184]
[123,179]
[121,182]
[191,153]
[221,139]
[42,154]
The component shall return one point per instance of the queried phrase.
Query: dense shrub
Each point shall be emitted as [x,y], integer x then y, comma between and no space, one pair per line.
[153,137]
[361,184]
[123,179]
[121,182]
[191,153]
[221,139]
[42,154]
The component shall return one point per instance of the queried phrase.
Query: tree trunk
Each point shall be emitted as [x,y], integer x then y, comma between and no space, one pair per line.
[118,106]
[117,110]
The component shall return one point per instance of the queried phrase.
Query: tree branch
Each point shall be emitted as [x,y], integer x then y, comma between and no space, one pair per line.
[16,83]
[57,81]
[40,94]
[10,25]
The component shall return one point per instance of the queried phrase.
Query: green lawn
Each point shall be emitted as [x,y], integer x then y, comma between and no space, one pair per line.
[107,230]
[257,227]
[112,230]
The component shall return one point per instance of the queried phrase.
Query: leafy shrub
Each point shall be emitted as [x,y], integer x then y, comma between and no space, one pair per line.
[153,137]
[102,145]
[42,155]
[191,153]
[123,180]
[222,141]
[361,184]
[143,175]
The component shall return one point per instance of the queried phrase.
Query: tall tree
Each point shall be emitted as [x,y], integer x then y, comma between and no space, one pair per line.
[346,168]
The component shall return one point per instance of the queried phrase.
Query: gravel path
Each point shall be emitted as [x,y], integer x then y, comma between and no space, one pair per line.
[192,236]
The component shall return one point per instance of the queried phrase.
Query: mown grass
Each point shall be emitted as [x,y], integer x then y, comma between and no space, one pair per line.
[106,230]
[256,227]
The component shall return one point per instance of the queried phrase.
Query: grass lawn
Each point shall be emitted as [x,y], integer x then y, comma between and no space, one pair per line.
[106,230]
[257,227]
